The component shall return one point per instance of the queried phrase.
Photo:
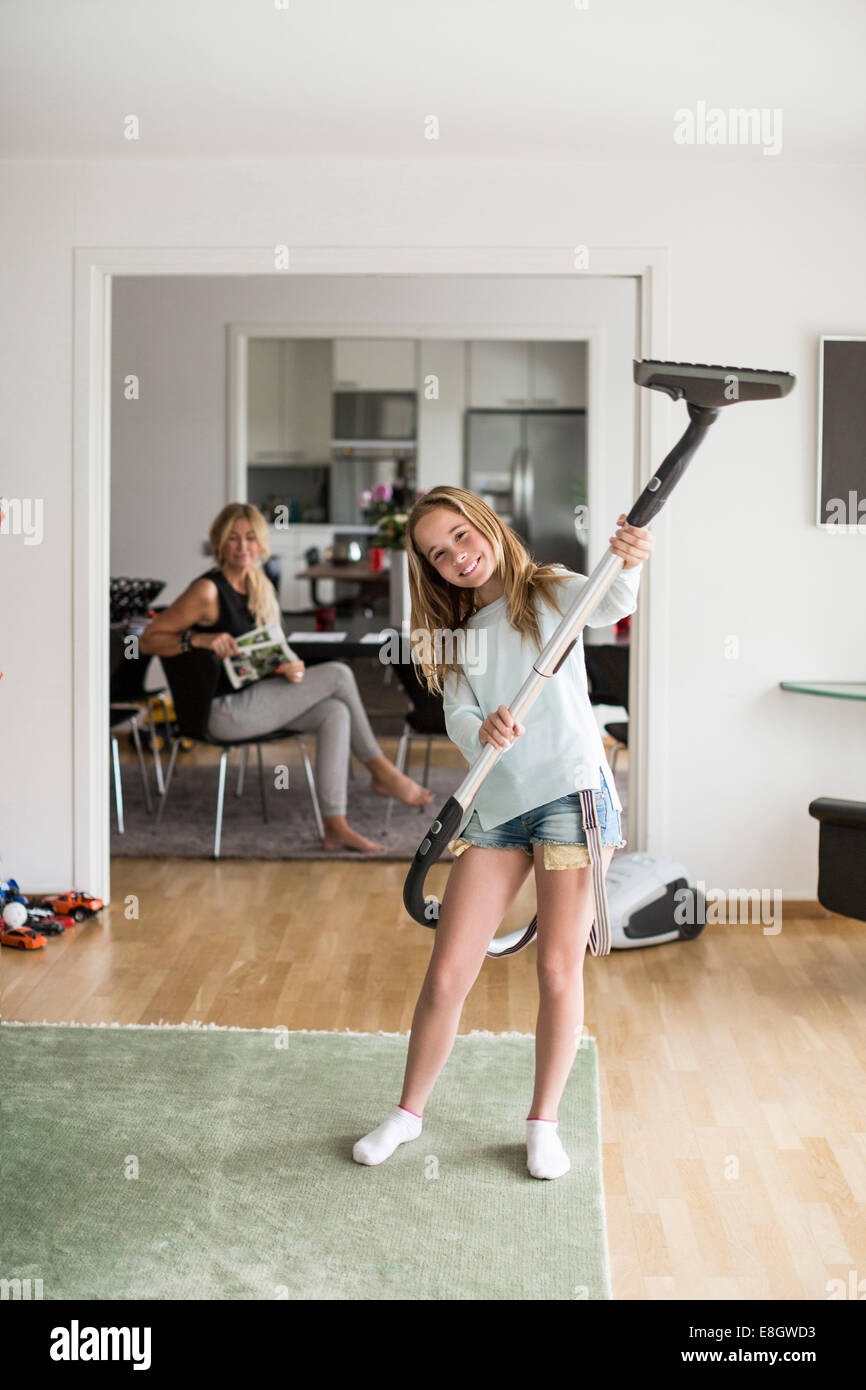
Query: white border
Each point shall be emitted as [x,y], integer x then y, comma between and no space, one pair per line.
[858,528]
[94,268]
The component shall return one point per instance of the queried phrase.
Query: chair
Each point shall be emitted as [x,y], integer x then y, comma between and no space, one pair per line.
[122,712]
[607,669]
[841,855]
[426,719]
[273,568]
[127,684]
[117,716]
[192,679]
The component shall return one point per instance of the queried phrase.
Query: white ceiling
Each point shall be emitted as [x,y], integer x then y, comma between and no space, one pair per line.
[537,80]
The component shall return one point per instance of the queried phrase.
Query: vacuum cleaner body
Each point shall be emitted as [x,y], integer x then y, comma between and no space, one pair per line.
[651,901]
[706,390]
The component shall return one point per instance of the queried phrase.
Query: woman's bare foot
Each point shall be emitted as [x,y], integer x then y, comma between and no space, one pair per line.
[388,781]
[340,835]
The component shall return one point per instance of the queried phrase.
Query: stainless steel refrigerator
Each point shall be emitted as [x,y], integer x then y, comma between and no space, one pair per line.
[530,467]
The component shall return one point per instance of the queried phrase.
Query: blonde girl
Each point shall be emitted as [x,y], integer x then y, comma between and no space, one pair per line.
[469,570]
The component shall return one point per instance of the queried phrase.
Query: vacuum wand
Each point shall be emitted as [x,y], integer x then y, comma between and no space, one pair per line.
[713,387]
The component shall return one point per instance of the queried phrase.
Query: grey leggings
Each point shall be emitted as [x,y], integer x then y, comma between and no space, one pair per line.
[326,701]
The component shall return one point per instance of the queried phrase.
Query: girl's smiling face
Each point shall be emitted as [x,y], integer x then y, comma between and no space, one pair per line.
[456,549]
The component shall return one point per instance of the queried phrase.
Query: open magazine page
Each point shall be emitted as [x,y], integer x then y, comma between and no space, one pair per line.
[262,649]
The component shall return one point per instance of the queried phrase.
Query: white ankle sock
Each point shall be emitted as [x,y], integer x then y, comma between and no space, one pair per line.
[545,1156]
[400,1126]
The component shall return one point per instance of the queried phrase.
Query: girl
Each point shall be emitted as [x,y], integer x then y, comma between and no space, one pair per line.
[469,570]
[228,601]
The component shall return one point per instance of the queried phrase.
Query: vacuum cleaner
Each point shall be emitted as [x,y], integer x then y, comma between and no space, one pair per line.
[652,900]
[705,390]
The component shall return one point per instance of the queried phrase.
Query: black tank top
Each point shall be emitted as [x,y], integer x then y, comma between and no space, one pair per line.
[234,617]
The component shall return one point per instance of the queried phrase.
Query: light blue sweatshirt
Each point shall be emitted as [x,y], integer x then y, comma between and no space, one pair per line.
[561,749]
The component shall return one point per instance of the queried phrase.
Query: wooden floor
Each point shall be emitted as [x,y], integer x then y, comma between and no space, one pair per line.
[732,1067]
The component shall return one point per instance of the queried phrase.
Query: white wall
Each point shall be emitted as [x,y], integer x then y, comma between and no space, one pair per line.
[762,259]
[169,476]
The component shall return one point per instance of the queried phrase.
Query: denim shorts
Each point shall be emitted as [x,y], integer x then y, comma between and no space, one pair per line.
[558,825]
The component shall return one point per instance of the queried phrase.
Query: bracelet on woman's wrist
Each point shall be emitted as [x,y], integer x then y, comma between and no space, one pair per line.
[186,640]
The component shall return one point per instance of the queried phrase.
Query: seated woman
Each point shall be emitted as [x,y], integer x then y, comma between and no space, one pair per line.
[228,601]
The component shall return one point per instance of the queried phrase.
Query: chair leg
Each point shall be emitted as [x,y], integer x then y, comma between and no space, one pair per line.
[400,764]
[220,798]
[154,742]
[164,798]
[245,752]
[136,738]
[118,789]
[427,764]
[262,784]
[311,783]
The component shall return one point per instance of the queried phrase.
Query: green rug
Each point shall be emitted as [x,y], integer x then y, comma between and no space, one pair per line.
[208,1163]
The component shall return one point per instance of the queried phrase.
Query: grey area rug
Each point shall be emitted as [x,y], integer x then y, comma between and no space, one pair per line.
[187,827]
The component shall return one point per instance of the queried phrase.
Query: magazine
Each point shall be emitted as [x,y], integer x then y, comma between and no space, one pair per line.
[262,649]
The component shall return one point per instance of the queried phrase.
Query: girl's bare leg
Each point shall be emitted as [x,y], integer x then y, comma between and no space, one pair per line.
[481,887]
[566,909]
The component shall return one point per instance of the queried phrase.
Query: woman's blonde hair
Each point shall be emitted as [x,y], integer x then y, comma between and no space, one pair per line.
[261,595]
[438,605]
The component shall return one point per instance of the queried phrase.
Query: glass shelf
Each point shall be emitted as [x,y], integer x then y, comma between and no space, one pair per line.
[840,690]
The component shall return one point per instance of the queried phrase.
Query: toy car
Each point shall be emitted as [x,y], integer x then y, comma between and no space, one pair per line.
[44,920]
[25,938]
[73,904]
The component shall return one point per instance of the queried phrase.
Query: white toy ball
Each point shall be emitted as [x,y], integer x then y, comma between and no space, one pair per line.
[15,915]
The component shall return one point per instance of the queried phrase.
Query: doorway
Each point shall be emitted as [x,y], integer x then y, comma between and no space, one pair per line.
[95,274]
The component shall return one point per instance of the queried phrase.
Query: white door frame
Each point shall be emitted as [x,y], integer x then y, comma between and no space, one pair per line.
[91,461]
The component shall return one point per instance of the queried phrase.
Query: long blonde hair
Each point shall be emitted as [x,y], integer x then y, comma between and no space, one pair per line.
[436,604]
[261,596]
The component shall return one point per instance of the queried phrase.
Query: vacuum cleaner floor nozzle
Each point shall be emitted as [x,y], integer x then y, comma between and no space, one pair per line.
[712,386]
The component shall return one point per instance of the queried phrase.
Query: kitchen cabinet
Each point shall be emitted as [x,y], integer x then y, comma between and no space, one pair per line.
[264,398]
[288,400]
[374,364]
[557,375]
[526,375]
[440,419]
[498,375]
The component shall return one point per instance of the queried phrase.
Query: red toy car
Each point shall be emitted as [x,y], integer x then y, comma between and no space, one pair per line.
[74,904]
[25,938]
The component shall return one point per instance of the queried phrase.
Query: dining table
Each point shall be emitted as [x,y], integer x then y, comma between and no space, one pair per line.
[370,582]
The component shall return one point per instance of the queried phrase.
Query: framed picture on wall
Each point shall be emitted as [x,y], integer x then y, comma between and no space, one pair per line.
[841,490]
